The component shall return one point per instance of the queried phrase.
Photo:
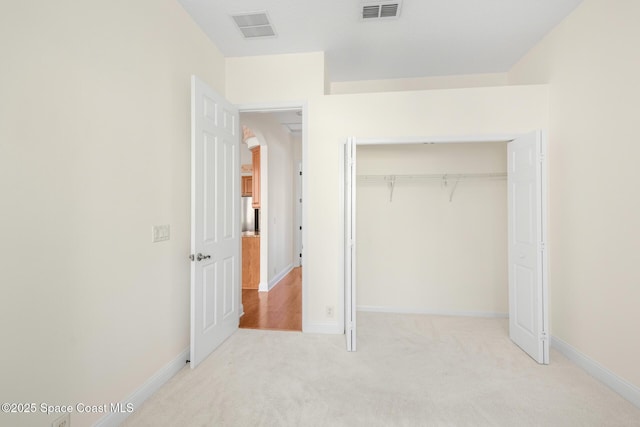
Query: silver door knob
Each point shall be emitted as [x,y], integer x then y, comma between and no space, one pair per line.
[200,257]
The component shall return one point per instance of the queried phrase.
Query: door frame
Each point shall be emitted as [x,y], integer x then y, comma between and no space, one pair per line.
[349,247]
[299,195]
[461,139]
[273,107]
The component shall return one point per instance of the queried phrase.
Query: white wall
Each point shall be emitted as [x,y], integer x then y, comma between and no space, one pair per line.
[332,118]
[395,114]
[271,78]
[278,222]
[426,250]
[592,65]
[94,150]
[420,83]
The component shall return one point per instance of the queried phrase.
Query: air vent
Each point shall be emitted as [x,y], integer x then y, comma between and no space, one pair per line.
[254,25]
[293,127]
[380,10]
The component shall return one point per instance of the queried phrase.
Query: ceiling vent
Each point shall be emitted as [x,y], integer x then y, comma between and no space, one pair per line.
[254,25]
[380,10]
[293,127]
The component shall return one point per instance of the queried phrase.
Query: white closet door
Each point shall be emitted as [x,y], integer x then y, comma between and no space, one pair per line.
[528,312]
[350,244]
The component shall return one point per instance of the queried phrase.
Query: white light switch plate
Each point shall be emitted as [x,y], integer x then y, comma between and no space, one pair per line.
[160,233]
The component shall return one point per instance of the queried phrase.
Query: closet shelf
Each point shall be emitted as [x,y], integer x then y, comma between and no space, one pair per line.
[444,179]
[435,176]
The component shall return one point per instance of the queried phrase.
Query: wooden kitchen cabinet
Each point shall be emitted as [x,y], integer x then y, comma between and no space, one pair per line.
[250,262]
[255,157]
[247,186]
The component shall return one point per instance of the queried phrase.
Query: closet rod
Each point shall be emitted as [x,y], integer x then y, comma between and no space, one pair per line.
[438,176]
[444,179]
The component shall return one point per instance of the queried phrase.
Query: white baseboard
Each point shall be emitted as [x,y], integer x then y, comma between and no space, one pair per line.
[596,370]
[137,398]
[402,310]
[273,282]
[323,328]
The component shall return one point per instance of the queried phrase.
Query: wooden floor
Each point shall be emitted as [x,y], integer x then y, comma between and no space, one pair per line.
[279,309]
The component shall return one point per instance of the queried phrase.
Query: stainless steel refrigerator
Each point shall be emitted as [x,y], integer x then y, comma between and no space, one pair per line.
[248,214]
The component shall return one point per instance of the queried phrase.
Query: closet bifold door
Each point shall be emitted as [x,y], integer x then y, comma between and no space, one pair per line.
[350,243]
[526,181]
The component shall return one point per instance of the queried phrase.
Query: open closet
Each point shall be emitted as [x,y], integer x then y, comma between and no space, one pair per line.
[448,228]
[431,221]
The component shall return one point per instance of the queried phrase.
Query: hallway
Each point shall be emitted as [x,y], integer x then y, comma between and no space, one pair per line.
[278,309]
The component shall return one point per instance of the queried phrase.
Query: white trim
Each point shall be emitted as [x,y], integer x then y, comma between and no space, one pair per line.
[153,384]
[342,305]
[439,139]
[298,201]
[272,107]
[263,287]
[350,246]
[409,310]
[323,328]
[273,282]
[617,384]
[264,218]
[305,195]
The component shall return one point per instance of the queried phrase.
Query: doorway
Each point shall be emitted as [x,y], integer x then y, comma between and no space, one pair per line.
[276,300]
[525,229]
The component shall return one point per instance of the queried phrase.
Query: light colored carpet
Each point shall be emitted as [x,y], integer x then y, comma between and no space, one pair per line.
[409,370]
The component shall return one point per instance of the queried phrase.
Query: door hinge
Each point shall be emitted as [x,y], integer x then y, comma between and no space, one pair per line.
[300,255]
[192,257]
[544,336]
[300,227]
[300,173]
[543,246]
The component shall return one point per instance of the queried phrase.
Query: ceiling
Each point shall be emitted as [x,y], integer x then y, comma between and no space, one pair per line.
[429,37]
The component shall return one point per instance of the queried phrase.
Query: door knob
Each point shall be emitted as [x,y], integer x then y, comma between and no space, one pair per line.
[200,257]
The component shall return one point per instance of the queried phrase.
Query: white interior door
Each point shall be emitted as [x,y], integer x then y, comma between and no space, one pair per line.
[215,229]
[350,244]
[528,318]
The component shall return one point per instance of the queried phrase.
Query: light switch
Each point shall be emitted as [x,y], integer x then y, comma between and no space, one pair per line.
[160,233]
